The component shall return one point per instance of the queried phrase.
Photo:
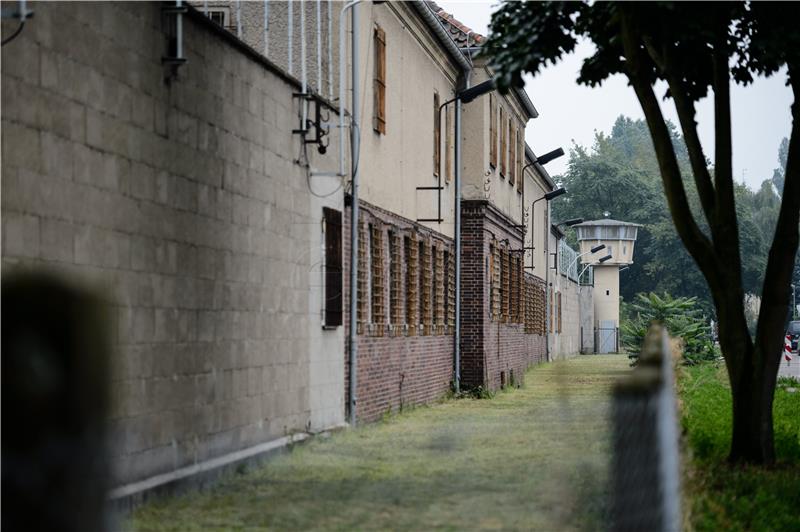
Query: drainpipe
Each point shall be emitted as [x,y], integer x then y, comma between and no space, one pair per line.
[547,283]
[457,238]
[354,219]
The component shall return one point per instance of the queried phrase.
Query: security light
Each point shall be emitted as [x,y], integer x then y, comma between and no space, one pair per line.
[598,248]
[604,259]
[555,193]
[467,95]
[549,156]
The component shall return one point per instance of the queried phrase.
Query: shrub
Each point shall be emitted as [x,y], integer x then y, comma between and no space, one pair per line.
[681,316]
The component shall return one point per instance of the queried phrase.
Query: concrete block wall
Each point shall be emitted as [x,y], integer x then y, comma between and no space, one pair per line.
[397,368]
[184,202]
[567,343]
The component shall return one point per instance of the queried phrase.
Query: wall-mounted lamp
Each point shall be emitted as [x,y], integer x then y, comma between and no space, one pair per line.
[571,222]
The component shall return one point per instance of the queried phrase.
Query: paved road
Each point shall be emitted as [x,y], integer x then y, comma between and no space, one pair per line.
[791,368]
[533,458]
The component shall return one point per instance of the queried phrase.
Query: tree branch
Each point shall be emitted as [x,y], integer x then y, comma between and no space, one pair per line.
[726,234]
[692,237]
[686,116]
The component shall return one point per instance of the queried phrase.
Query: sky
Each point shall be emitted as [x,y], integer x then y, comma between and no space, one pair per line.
[570,112]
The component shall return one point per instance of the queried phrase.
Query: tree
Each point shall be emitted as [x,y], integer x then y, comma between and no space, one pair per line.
[693,48]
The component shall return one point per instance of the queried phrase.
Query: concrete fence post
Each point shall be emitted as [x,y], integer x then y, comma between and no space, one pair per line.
[55,383]
[645,466]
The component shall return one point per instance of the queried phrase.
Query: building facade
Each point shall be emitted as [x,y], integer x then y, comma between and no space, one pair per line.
[204,194]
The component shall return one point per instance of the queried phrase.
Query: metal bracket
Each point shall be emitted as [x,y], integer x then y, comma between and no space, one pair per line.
[317,123]
[438,188]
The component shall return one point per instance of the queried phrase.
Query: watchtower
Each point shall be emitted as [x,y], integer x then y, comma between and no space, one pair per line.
[619,239]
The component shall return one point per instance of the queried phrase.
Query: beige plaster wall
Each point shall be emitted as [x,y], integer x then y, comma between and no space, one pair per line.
[394,164]
[620,250]
[606,294]
[481,179]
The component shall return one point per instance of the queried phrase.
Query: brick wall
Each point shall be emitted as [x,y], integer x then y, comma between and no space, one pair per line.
[495,350]
[182,201]
[398,365]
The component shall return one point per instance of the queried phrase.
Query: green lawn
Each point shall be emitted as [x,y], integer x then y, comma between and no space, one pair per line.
[533,458]
[720,497]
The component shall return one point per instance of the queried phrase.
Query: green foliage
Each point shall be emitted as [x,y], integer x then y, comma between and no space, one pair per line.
[737,498]
[679,315]
[625,160]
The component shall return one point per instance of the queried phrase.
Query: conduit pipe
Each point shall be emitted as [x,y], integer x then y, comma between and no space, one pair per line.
[330,50]
[354,218]
[266,28]
[303,61]
[319,46]
[290,31]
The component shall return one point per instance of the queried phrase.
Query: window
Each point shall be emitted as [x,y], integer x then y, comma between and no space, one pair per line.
[410,253]
[492,131]
[505,284]
[362,285]
[379,122]
[520,159]
[395,289]
[437,136]
[503,143]
[378,311]
[332,304]
[436,285]
[421,284]
[558,305]
[218,16]
[512,154]
[447,287]
[448,145]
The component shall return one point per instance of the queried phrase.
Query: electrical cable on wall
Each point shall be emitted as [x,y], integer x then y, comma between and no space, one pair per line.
[14,35]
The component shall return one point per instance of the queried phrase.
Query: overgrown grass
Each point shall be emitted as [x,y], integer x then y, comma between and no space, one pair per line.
[530,458]
[731,498]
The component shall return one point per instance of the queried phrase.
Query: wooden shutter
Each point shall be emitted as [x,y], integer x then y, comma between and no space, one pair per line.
[437,136]
[333,266]
[379,122]
[492,131]
[503,147]
[520,159]
[448,145]
[512,155]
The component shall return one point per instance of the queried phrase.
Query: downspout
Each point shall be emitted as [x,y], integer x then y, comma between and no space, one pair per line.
[354,219]
[457,239]
[547,282]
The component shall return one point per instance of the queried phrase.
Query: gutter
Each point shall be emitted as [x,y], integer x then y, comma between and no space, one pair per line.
[432,20]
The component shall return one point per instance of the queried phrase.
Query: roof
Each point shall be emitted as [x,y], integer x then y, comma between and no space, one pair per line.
[466,38]
[462,35]
[606,222]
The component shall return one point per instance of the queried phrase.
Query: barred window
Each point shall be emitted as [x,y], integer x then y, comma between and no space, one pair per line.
[395,281]
[410,253]
[363,278]
[376,286]
[505,290]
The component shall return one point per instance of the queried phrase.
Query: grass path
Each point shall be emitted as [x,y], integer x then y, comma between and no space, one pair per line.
[533,458]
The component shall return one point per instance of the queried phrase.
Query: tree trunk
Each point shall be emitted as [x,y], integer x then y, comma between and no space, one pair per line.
[752,391]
